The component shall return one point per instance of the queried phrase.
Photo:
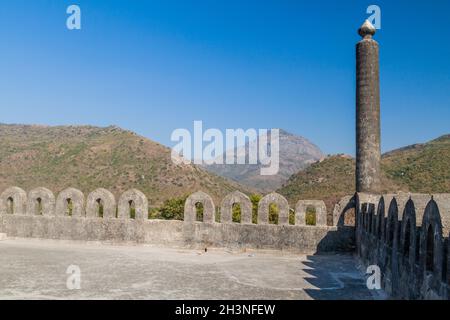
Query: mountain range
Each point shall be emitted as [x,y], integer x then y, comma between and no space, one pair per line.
[295,153]
[87,157]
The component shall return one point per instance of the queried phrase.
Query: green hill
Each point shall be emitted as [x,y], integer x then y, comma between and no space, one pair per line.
[423,168]
[87,157]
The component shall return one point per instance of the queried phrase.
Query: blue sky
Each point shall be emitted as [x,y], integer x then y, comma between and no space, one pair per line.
[155,66]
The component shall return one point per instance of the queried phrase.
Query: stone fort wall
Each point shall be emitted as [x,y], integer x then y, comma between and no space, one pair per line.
[72,216]
[407,236]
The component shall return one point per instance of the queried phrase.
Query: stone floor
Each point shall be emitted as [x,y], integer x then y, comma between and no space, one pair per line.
[36,269]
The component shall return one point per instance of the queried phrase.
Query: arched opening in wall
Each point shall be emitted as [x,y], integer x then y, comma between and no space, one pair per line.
[310,216]
[363,217]
[69,207]
[444,261]
[199,211]
[350,217]
[417,252]
[379,228]
[379,220]
[391,228]
[380,225]
[291,216]
[407,243]
[429,258]
[10,205]
[399,232]
[273,213]
[370,218]
[236,213]
[100,207]
[366,220]
[131,209]
[38,206]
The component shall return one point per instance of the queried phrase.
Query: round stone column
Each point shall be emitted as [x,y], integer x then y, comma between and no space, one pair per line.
[368,154]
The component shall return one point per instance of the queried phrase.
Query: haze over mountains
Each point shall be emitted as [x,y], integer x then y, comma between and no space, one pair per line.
[87,157]
[296,153]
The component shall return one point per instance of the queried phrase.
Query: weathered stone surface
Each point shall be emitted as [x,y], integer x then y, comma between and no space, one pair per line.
[362,197]
[341,208]
[106,198]
[76,198]
[300,212]
[431,228]
[174,273]
[392,224]
[41,198]
[443,203]
[408,233]
[226,208]
[140,204]
[409,245]
[368,153]
[175,233]
[380,220]
[181,234]
[209,209]
[283,208]
[19,200]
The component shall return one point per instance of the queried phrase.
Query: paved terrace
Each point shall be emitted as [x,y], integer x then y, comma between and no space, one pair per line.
[36,269]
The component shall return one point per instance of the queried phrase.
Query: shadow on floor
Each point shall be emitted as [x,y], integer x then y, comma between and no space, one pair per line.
[335,277]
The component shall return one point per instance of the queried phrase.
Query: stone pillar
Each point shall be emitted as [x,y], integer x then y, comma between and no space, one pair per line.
[368,154]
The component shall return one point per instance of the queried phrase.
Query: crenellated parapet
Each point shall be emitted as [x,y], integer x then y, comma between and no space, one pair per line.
[133,204]
[13,200]
[226,208]
[264,208]
[406,235]
[101,203]
[190,211]
[70,202]
[133,200]
[40,201]
[98,216]
[318,205]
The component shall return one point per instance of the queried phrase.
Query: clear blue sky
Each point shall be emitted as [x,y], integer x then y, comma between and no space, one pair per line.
[154,66]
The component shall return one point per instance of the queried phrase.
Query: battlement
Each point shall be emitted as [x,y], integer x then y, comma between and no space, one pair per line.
[406,235]
[71,216]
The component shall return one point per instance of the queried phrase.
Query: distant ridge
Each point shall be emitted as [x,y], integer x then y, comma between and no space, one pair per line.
[88,157]
[296,153]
